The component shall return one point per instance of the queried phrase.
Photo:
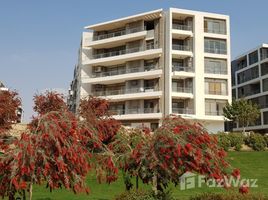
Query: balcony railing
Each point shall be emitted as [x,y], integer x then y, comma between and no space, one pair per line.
[183,111]
[176,67]
[124,71]
[216,51]
[133,111]
[182,27]
[217,31]
[124,51]
[180,47]
[125,91]
[216,92]
[182,89]
[213,70]
[214,112]
[118,33]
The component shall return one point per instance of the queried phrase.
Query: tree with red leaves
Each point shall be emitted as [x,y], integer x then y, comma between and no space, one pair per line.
[95,113]
[9,104]
[175,148]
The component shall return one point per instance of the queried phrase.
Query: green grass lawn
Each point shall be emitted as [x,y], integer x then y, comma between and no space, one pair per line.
[253,165]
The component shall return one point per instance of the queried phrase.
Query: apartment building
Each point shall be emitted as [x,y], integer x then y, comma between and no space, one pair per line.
[250,81]
[159,63]
[19,110]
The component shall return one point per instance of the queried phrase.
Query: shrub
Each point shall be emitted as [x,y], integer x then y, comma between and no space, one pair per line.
[210,196]
[266,140]
[223,141]
[257,142]
[236,140]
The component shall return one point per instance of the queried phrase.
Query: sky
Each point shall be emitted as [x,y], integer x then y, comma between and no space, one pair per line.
[39,40]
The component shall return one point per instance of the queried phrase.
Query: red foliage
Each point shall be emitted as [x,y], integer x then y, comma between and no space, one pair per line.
[177,147]
[95,112]
[244,189]
[9,103]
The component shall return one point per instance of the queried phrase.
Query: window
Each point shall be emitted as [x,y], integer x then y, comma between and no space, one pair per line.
[253,57]
[214,107]
[248,75]
[265,117]
[264,68]
[264,53]
[215,26]
[265,84]
[216,86]
[215,46]
[215,66]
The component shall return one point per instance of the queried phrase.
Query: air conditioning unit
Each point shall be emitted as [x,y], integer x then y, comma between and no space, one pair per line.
[97,69]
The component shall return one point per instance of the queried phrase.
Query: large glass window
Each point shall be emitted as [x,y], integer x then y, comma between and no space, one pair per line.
[215,66]
[217,46]
[248,75]
[264,68]
[214,107]
[264,53]
[265,117]
[253,57]
[215,26]
[216,86]
[265,84]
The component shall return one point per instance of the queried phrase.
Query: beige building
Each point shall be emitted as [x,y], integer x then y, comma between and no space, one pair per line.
[158,63]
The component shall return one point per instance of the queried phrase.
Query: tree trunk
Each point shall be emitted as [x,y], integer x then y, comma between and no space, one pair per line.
[23,195]
[31,191]
[137,182]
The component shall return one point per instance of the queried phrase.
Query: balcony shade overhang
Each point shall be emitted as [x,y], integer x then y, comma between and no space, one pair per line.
[117,23]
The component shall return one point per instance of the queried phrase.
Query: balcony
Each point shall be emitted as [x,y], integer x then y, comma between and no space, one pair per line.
[216,51]
[124,71]
[215,31]
[182,89]
[264,56]
[182,27]
[213,70]
[117,33]
[216,92]
[150,51]
[179,47]
[182,92]
[179,68]
[136,113]
[214,112]
[183,111]
[130,94]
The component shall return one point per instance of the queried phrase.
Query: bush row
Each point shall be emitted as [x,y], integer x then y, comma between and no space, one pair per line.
[148,195]
[235,140]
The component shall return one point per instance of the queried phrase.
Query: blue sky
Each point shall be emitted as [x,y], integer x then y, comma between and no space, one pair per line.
[39,40]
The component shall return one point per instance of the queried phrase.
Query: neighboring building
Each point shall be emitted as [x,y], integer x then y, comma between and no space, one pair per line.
[19,110]
[250,81]
[74,90]
[159,63]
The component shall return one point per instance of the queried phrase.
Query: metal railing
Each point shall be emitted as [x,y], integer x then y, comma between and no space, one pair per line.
[183,111]
[181,47]
[124,51]
[133,111]
[182,27]
[214,112]
[213,70]
[176,67]
[216,92]
[117,33]
[182,89]
[124,71]
[215,31]
[216,51]
[125,91]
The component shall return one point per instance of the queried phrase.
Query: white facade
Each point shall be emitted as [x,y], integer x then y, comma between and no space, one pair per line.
[250,81]
[159,63]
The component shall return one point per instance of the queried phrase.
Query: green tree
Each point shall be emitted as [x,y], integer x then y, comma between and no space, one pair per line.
[242,111]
